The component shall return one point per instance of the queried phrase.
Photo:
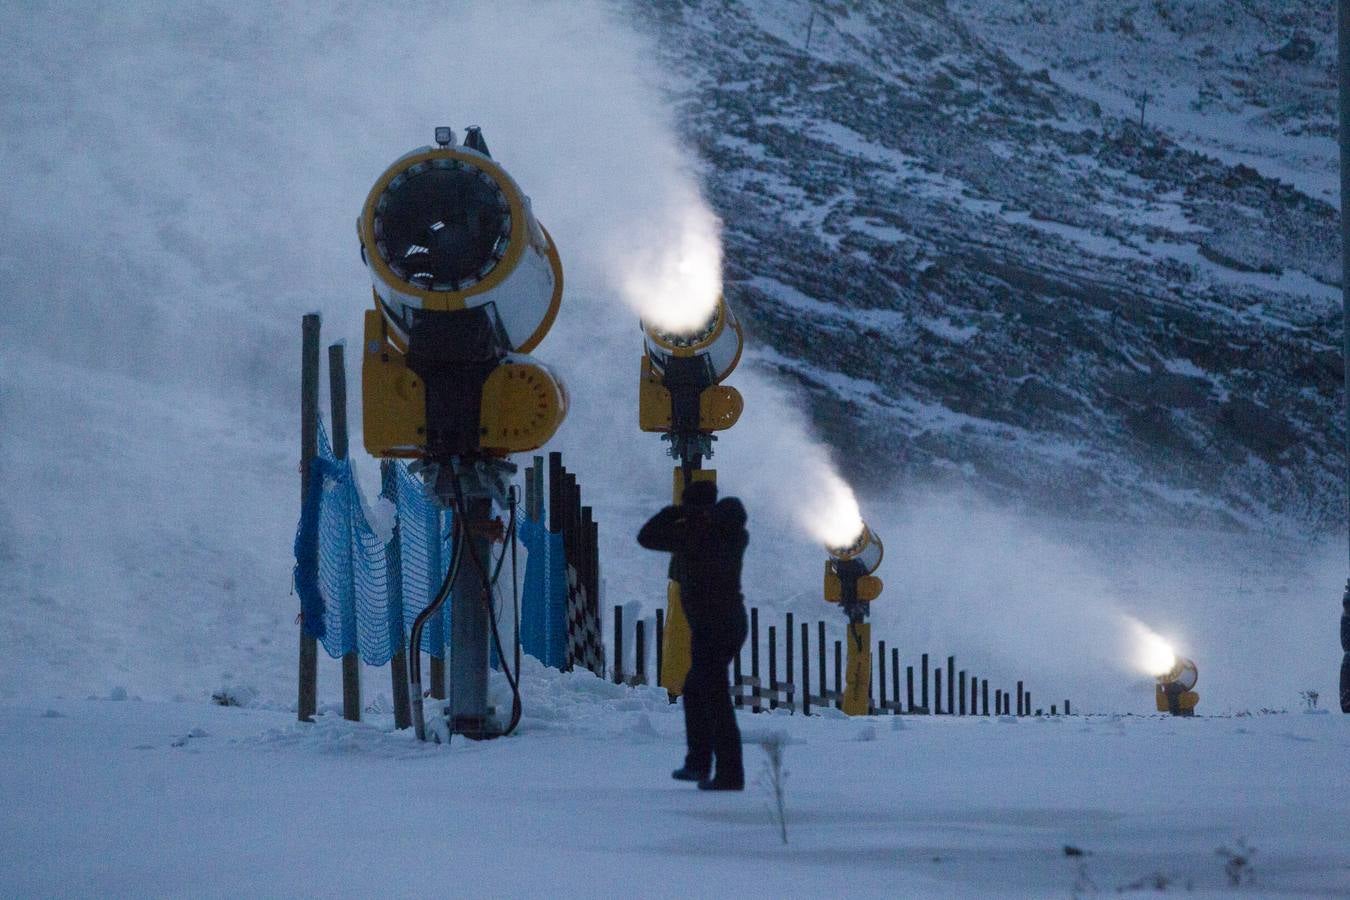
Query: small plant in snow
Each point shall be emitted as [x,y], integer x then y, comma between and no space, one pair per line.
[773,777]
[1310,698]
[1237,863]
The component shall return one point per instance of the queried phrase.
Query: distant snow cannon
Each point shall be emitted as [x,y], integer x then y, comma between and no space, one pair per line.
[850,583]
[465,282]
[1174,692]
[682,398]
[681,394]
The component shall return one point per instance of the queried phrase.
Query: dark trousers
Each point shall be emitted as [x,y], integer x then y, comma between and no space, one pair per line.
[709,717]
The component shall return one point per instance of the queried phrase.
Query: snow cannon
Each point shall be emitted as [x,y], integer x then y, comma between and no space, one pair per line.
[681,395]
[466,281]
[682,398]
[1174,692]
[850,583]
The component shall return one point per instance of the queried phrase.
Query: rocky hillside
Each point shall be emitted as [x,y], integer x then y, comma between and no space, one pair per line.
[948,224]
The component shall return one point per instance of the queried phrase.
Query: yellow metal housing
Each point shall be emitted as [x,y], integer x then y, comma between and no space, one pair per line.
[523,405]
[1185,701]
[869,586]
[393,399]
[719,406]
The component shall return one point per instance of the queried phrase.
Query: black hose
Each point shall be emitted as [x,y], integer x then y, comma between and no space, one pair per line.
[415,639]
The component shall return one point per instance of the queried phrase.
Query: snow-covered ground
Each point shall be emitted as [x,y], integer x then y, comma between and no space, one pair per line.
[120,798]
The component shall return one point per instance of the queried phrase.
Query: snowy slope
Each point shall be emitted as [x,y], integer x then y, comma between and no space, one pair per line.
[946,222]
[113,798]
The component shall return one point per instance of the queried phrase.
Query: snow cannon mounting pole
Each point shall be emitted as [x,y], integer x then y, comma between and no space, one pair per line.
[681,397]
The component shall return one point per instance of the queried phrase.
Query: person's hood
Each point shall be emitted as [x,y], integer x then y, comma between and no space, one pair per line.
[730,512]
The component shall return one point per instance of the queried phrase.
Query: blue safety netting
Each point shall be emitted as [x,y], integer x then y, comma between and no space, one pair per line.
[543,611]
[361,593]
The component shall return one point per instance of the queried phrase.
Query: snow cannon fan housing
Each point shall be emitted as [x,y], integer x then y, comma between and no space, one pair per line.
[1174,692]
[466,282]
[680,389]
[848,573]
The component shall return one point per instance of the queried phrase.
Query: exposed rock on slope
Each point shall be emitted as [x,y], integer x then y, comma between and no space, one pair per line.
[980,269]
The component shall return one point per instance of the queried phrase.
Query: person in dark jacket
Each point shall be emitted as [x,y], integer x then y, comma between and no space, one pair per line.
[706,539]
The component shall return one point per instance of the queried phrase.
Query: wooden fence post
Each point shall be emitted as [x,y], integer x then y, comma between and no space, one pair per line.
[640,652]
[337,401]
[881,676]
[618,644]
[820,658]
[937,691]
[923,684]
[307,702]
[962,694]
[839,674]
[1066,708]
[1020,698]
[984,696]
[951,685]
[806,671]
[789,669]
[895,676]
[754,659]
[909,689]
[773,667]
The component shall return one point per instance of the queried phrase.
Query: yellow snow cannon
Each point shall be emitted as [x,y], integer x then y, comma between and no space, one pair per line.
[1174,692]
[466,281]
[681,397]
[850,583]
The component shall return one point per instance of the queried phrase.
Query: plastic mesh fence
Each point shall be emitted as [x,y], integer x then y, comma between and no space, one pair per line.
[361,594]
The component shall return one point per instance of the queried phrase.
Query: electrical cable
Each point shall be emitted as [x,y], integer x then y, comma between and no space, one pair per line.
[415,639]
[515,581]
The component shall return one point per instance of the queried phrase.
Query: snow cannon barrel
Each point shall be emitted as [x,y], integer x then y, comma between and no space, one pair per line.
[466,281]
[715,347]
[866,550]
[446,228]
[680,393]
[1175,692]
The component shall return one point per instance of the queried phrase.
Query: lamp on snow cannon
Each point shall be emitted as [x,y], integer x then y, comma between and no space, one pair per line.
[1174,692]
[682,398]
[465,281]
[850,583]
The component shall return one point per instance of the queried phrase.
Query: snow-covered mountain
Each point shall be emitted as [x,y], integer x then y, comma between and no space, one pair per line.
[945,220]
